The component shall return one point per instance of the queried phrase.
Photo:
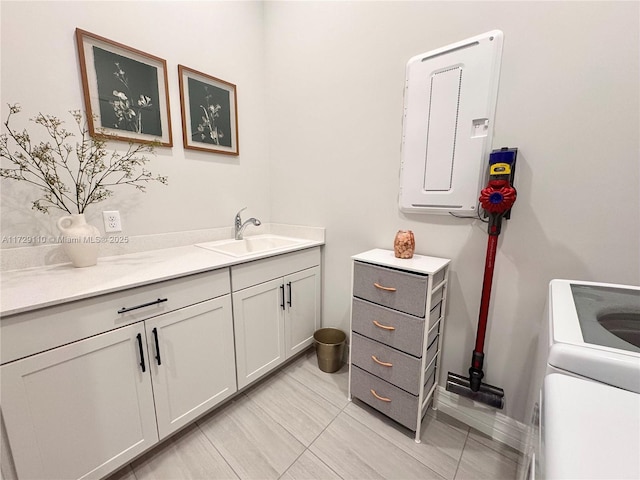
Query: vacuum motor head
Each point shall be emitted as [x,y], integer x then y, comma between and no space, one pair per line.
[499,195]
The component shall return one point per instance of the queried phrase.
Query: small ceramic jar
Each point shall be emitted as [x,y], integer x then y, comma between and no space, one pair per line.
[404,244]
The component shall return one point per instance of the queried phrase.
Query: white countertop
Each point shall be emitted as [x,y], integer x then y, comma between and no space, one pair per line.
[33,288]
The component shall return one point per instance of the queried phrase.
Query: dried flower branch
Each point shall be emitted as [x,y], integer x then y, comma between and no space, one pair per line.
[51,167]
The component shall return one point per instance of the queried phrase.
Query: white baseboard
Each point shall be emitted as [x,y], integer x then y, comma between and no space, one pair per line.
[486,419]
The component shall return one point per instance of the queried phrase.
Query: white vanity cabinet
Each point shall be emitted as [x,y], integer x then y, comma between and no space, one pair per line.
[276,308]
[89,385]
[79,410]
[192,361]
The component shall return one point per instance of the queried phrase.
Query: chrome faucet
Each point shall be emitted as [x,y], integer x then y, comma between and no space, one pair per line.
[239,226]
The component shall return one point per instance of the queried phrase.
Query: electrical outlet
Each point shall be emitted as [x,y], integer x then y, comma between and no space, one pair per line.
[112,221]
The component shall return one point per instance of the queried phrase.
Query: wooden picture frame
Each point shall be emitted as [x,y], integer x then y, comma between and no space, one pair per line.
[126,92]
[209,112]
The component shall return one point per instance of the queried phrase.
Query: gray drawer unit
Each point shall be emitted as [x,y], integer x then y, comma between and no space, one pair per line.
[397,321]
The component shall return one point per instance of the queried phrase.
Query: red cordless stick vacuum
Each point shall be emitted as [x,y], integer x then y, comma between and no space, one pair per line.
[496,199]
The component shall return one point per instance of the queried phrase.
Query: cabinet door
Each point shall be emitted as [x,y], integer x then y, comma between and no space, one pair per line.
[258,313]
[81,410]
[302,316]
[192,361]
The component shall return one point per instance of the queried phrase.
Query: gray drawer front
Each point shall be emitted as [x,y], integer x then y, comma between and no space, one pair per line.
[433,334]
[439,277]
[410,295]
[431,351]
[407,329]
[436,297]
[404,371]
[430,378]
[403,407]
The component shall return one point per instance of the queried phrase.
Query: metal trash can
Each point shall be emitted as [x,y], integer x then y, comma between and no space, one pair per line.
[329,348]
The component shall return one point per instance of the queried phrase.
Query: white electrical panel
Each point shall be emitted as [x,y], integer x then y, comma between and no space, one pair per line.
[449,107]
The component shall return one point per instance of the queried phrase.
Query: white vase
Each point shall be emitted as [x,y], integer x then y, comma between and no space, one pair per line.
[80,240]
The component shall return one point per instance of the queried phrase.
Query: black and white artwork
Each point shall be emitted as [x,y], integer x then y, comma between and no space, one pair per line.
[125,91]
[209,112]
[128,93]
[210,116]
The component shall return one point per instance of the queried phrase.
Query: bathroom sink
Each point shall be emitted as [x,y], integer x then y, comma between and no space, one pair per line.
[251,245]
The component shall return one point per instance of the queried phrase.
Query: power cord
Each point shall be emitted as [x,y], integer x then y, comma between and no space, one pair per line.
[475,217]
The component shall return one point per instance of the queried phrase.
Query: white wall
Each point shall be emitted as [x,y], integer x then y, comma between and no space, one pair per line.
[320,103]
[568,100]
[223,39]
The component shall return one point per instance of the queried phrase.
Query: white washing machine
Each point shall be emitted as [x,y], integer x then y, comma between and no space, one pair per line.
[585,396]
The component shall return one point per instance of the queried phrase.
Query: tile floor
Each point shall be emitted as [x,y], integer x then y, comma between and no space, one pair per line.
[298,424]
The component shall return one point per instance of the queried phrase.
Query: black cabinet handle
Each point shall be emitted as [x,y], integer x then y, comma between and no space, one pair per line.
[289,286]
[282,289]
[142,365]
[155,302]
[155,336]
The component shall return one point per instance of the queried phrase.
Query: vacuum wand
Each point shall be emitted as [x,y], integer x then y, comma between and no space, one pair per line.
[496,199]
[475,372]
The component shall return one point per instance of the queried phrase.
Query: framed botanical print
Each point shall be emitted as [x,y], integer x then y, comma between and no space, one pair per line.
[209,112]
[126,92]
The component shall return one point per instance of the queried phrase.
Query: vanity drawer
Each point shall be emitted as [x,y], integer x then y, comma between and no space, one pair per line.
[393,328]
[252,273]
[32,332]
[403,291]
[391,365]
[394,402]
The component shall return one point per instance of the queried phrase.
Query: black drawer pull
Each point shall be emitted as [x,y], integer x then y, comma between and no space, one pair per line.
[289,286]
[155,336]
[155,302]
[142,365]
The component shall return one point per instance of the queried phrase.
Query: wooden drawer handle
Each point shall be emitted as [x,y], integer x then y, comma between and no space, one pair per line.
[387,289]
[384,399]
[384,327]
[384,364]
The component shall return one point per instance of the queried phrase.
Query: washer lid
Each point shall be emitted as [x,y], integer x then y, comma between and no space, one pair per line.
[589,430]
[580,343]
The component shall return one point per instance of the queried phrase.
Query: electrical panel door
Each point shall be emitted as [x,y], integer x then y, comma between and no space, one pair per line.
[449,108]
